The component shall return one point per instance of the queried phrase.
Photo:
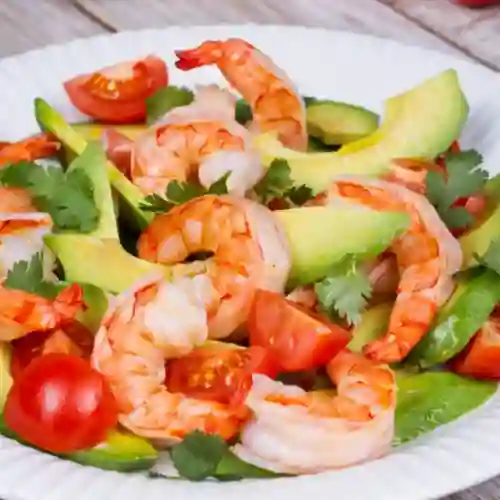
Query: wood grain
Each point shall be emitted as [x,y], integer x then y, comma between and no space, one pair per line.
[362,16]
[26,24]
[475,31]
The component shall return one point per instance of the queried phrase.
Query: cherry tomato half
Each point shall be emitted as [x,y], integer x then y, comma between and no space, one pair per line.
[218,374]
[60,404]
[33,148]
[481,358]
[117,94]
[72,338]
[300,340]
[118,150]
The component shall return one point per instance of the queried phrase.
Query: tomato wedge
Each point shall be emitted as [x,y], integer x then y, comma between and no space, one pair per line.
[60,404]
[33,148]
[299,339]
[117,94]
[218,374]
[73,338]
[481,358]
[118,150]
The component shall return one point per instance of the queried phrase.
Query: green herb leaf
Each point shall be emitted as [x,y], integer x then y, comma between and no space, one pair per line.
[242,112]
[299,195]
[67,197]
[165,99]
[491,258]
[200,456]
[276,181]
[28,276]
[344,291]
[464,178]
[178,193]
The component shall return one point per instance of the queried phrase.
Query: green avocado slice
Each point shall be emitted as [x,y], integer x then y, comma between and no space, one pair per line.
[461,317]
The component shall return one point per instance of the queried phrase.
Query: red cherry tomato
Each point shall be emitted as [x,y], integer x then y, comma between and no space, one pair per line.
[481,358]
[60,404]
[73,338]
[117,94]
[33,148]
[118,150]
[218,374]
[300,340]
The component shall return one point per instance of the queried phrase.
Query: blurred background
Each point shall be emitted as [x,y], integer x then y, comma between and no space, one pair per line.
[469,28]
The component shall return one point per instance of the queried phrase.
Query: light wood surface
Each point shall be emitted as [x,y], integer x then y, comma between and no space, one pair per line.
[437,24]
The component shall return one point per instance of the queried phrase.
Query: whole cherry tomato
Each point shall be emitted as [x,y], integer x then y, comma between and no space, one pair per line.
[61,405]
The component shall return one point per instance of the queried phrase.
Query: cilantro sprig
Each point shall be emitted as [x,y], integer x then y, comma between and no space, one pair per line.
[29,277]
[178,193]
[200,456]
[463,178]
[165,99]
[67,196]
[278,184]
[345,291]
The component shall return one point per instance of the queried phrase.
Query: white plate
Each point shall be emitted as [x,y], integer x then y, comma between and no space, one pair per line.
[343,66]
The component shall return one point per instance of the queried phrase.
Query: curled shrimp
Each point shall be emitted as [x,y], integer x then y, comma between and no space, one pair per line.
[293,431]
[22,313]
[246,246]
[427,256]
[22,228]
[33,148]
[150,323]
[276,104]
[202,141]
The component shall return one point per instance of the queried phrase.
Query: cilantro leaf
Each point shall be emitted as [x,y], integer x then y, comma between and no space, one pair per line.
[28,276]
[178,193]
[165,99]
[299,195]
[67,197]
[200,456]
[464,177]
[242,112]
[491,258]
[275,182]
[344,291]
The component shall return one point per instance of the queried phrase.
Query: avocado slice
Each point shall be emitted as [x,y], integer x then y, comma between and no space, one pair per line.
[478,239]
[93,131]
[102,263]
[461,317]
[93,162]
[373,325]
[337,123]
[131,196]
[320,237]
[421,123]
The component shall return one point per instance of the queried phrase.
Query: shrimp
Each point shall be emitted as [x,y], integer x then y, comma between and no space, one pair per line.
[298,432]
[412,173]
[427,256]
[152,322]
[247,246]
[22,228]
[22,313]
[33,148]
[202,141]
[275,102]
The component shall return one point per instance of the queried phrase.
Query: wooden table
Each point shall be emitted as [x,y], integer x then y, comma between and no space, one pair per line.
[438,24]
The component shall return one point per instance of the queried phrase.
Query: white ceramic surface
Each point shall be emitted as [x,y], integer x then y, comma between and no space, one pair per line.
[342,66]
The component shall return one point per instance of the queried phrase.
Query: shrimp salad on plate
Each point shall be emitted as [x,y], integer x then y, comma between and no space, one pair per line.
[243,282]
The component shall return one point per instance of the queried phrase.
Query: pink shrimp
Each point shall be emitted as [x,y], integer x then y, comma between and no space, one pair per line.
[201,142]
[275,102]
[293,431]
[427,256]
[22,313]
[247,246]
[149,324]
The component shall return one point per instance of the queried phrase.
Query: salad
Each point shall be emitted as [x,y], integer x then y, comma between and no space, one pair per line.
[249,283]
